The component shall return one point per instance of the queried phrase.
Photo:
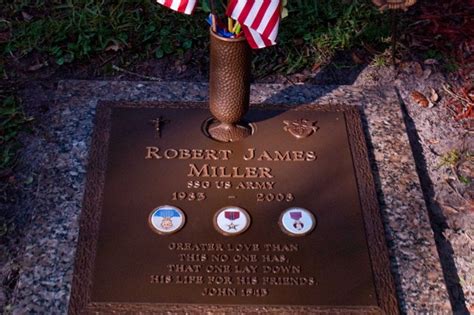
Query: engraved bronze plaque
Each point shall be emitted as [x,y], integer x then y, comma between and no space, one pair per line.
[285,220]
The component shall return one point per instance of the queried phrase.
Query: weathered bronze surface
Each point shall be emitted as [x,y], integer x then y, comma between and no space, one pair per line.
[339,266]
[229,87]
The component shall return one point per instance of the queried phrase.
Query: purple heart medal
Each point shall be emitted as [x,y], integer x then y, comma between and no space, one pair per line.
[297,216]
[297,221]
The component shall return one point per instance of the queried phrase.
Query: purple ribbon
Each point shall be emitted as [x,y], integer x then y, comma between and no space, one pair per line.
[295,215]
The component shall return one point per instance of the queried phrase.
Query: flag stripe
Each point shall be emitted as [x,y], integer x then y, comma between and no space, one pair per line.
[175,4]
[182,6]
[268,14]
[259,20]
[256,40]
[237,9]
[274,33]
[245,12]
[260,15]
[250,37]
[190,7]
[253,13]
[271,24]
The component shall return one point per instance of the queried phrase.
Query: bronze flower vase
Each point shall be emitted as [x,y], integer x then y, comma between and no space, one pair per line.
[229,87]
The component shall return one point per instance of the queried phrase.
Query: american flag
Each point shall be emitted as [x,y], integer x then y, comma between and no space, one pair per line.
[259,18]
[182,6]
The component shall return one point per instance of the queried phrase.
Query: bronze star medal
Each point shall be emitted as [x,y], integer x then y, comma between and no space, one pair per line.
[232,226]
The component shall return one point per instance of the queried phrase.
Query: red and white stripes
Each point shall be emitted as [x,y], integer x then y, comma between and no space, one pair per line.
[182,6]
[259,18]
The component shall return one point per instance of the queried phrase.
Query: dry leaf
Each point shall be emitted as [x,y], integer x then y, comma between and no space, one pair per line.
[432,141]
[370,49]
[298,41]
[393,4]
[37,66]
[316,66]
[357,59]
[470,94]
[418,70]
[434,97]
[115,46]
[427,73]
[431,61]
[26,16]
[420,99]
[449,209]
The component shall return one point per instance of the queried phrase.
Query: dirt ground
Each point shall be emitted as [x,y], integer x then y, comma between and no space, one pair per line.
[443,149]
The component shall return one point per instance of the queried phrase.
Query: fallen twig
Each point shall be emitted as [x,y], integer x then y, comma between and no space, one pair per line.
[117,68]
[450,92]
[455,190]
[103,63]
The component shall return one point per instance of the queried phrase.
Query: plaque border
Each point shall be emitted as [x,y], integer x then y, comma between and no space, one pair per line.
[80,297]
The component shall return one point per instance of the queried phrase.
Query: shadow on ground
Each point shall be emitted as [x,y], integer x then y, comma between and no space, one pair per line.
[437,218]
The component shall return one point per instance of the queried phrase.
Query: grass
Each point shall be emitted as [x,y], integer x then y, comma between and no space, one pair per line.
[452,160]
[70,30]
[65,31]
[381,60]
[315,30]
[12,122]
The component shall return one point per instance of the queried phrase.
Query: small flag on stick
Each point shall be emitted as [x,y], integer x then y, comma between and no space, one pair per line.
[259,20]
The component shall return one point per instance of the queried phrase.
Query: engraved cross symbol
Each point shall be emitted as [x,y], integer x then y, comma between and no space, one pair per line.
[158,124]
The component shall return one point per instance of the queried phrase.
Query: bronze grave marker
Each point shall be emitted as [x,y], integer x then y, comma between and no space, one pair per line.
[285,220]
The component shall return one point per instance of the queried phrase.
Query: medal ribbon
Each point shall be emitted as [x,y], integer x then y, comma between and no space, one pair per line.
[232,215]
[295,215]
[167,213]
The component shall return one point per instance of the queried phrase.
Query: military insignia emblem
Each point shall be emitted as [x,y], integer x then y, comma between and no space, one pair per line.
[300,128]
[297,221]
[166,219]
[231,221]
